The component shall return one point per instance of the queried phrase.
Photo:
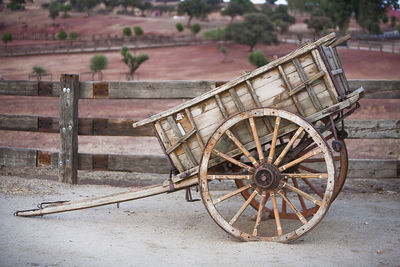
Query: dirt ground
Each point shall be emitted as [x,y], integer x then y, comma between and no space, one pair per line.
[360,229]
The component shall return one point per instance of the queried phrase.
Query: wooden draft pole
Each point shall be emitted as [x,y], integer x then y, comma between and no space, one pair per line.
[68,156]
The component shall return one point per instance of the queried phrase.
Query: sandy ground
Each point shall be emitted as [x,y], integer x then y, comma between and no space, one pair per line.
[360,229]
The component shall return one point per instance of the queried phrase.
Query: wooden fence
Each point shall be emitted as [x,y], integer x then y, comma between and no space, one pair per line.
[69,90]
[99,44]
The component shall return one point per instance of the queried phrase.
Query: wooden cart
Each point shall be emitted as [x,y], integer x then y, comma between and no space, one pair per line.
[269,138]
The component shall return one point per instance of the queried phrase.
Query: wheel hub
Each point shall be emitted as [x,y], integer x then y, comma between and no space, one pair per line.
[267,176]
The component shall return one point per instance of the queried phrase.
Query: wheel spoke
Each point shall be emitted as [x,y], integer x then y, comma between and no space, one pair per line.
[313,188]
[335,158]
[242,148]
[293,207]
[304,194]
[276,213]
[288,145]
[273,142]
[298,160]
[243,207]
[231,194]
[256,139]
[305,175]
[308,169]
[228,177]
[260,212]
[232,160]
[302,203]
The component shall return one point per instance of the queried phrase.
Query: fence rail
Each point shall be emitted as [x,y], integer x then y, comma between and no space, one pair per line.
[358,129]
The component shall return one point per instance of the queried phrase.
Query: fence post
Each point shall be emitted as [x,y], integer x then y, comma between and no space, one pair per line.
[68,157]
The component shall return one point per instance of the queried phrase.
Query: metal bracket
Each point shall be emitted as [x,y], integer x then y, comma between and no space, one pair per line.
[100,162]
[188,195]
[45,89]
[100,90]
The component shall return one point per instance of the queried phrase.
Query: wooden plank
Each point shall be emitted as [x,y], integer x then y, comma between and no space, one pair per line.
[373,129]
[159,89]
[188,152]
[194,126]
[68,160]
[309,88]
[373,168]
[25,88]
[18,123]
[17,157]
[378,89]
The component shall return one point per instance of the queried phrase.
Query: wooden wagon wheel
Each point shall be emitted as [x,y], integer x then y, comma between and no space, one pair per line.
[341,167]
[271,179]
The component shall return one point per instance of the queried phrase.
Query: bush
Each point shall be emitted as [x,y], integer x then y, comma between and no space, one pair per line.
[385,19]
[196,28]
[98,63]
[6,38]
[14,5]
[138,31]
[257,58]
[214,35]
[393,21]
[62,35]
[179,27]
[127,31]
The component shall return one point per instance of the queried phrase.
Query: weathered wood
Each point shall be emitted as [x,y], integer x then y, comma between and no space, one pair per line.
[373,129]
[194,126]
[26,88]
[18,123]
[68,159]
[378,89]
[373,168]
[17,157]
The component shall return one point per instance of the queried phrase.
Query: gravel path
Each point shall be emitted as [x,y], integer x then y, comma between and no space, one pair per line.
[360,229]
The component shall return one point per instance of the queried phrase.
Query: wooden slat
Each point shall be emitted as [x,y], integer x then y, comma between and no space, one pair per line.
[239,105]
[181,140]
[188,152]
[165,140]
[26,88]
[373,129]
[194,126]
[309,88]
[221,107]
[290,89]
[378,89]
[68,160]
[17,157]
[258,104]
[18,123]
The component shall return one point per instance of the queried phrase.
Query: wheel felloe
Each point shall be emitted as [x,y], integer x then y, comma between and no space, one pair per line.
[270,181]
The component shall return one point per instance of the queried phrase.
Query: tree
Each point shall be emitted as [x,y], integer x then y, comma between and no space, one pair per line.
[62,35]
[193,8]
[138,31]
[280,16]
[65,8]
[318,22]
[127,32]
[6,38]
[238,8]
[196,28]
[179,27]
[217,35]
[256,28]
[257,58]
[133,62]
[144,5]
[385,19]
[16,4]
[392,21]
[54,9]
[97,64]
[38,72]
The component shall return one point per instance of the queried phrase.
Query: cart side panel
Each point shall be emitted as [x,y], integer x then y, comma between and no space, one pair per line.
[301,85]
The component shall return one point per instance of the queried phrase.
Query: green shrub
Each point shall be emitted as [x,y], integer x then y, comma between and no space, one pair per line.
[196,28]
[257,58]
[98,63]
[127,31]
[62,35]
[138,31]
[73,36]
[179,27]
[6,38]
